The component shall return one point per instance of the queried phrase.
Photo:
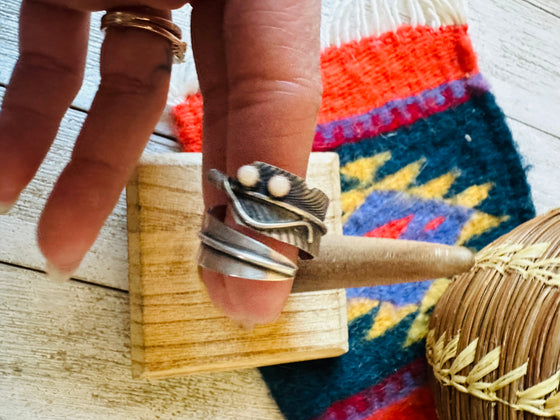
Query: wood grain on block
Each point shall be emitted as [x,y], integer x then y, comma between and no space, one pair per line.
[175,329]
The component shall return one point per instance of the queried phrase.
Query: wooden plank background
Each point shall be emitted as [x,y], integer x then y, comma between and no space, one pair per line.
[64,348]
[64,354]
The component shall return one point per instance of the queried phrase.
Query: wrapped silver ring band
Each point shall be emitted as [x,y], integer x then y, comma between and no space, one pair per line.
[230,252]
[272,202]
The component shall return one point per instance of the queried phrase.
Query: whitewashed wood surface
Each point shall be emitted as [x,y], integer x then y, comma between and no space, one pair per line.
[64,354]
[64,348]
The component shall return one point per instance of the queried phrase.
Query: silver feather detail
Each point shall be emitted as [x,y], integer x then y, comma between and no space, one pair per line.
[296,218]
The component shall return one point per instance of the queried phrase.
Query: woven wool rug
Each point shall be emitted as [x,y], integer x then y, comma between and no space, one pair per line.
[425,155]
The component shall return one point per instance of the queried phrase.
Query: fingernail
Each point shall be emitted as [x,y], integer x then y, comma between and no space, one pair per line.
[5,207]
[56,274]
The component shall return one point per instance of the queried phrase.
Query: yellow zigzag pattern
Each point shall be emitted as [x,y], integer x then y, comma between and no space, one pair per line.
[389,315]
[359,307]
[365,170]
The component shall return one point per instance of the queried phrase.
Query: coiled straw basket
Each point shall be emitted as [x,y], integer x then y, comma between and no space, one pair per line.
[494,340]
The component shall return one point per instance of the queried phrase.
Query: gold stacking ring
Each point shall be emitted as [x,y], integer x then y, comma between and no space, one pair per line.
[155,24]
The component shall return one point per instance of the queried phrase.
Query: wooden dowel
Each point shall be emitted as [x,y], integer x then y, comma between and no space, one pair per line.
[347,261]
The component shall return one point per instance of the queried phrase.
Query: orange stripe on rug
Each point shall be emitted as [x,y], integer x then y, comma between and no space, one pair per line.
[188,123]
[368,73]
[362,75]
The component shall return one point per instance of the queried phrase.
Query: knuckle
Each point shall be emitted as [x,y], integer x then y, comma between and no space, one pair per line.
[121,83]
[215,103]
[214,91]
[97,166]
[34,63]
[29,110]
[249,90]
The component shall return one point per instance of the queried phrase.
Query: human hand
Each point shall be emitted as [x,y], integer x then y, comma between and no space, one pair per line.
[258,65]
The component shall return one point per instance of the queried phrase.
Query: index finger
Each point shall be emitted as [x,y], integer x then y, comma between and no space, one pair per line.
[135,71]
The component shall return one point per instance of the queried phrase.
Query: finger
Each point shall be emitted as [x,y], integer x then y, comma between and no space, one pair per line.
[91,5]
[209,52]
[47,76]
[135,71]
[272,53]
[274,81]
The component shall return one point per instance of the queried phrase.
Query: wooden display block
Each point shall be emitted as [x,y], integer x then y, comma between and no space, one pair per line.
[175,329]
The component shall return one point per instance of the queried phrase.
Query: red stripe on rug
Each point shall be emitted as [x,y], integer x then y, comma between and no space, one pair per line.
[390,390]
[392,230]
[418,405]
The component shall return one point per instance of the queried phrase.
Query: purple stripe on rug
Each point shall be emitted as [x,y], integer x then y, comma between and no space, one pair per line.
[383,394]
[397,113]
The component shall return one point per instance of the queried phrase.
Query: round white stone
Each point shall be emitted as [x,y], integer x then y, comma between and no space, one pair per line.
[248,175]
[279,186]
